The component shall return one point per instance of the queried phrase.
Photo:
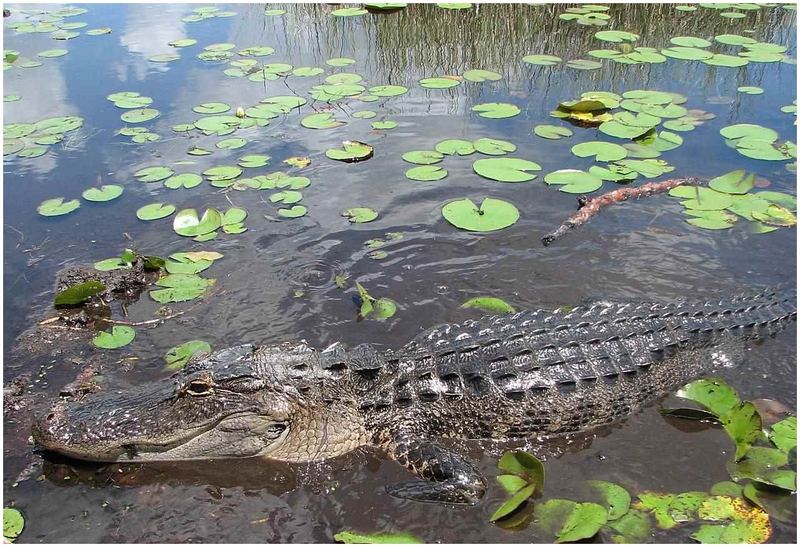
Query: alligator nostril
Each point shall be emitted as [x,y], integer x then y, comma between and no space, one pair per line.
[50,417]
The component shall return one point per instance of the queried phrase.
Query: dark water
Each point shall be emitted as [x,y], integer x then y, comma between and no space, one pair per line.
[642,250]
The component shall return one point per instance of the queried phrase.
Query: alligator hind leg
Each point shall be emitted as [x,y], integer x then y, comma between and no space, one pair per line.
[449,477]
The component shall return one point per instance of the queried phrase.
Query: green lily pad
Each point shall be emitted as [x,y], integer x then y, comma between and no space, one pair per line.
[57,206]
[187,223]
[687,53]
[552,132]
[615,499]
[720,59]
[602,151]
[490,304]
[387,90]
[496,110]
[614,128]
[616,36]
[211,108]
[544,60]
[32,152]
[340,61]
[506,169]
[50,53]
[120,335]
[477,75]
[360,215]
[493,147]
[452,147]
[77,294]
[426,173]
[734,182]
[13,523]
[492,214]
[711,220]
[347,536]
[322,120]
[231,144]
[423,157]
[514,501]
[784,434]
[222,172]
[775,215]
[177,356]
[154,211]
[254,160]
[351,152]
[293,212]
[287,197]
[713,394]
[750,90]
[734,40]
[574,181]
[183,180]
[343,78]
[307,71]
[690,41]
[183,42]
[106,192]
[139,115]
[439,83]
[348,12]
[749,130]
[780,198]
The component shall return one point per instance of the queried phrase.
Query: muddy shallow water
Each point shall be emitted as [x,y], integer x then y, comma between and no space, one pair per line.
[278,280]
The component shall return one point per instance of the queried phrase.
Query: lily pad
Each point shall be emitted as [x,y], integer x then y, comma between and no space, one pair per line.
[602,151]
[734,182]
[106,192]
[57,206]
[177,356]
[584,64]
[492,214]
[347,536]
[183,180]
[360,215]
[120,335]
[154,211]
[322,120]
[453,147]
[574,181]
[750,90]
[187,223]
[423,157]
[426,173]
[477,75]
[348,12]
[139,115]
[13,523]
[439,83]
[496,110]
[211,108]
[387,90]
[506,169]
[544,60]
[494,147]
[77,294]
[552,132]
[293,212]
[351,152]
[616,36]
[490,304]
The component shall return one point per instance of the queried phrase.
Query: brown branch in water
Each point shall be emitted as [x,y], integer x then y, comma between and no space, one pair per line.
[589,207]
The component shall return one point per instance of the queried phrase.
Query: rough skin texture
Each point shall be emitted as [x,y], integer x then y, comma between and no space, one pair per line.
[531,373]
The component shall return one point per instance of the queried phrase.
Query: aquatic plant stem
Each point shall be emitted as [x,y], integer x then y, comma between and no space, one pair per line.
[589,207]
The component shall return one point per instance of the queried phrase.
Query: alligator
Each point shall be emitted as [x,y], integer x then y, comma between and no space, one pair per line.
[533,373]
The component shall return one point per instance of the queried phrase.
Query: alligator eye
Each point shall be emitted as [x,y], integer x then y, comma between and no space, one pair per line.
[199,388]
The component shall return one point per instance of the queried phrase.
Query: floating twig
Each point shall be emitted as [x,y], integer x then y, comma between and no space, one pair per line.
[589,207]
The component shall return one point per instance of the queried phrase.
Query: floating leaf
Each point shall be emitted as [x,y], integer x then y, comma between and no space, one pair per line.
[254,160]
[453,147]
[496,110]
[775,215]
[187,223]
[439,83]
[183,180]
[348,12]
[493,214]
[734,182]
[713,394]
[574,181]
[602,151]
[616,499]
[153,174]
[106,192]
[388,124]
[340,61]
[750,90]
[426,173]
[513,502]
[749,524]
[120,335]
[177,356]
[490,304]
[154,211]
[494,147]
[356,537]
[584,64]
[13,523]
[545,60]
[552,131]
[77,294]
[506,169]
[139,115]
[784,434]
[57,206]
[423,157]
[360,214]
[616,36]
[351,152]
[584,521]
[322,120]
[293,212]
[476,75]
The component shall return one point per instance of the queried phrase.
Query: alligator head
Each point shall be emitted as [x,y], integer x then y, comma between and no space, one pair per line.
[237,402]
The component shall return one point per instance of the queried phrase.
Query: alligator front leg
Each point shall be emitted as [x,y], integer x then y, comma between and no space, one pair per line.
[449,477]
